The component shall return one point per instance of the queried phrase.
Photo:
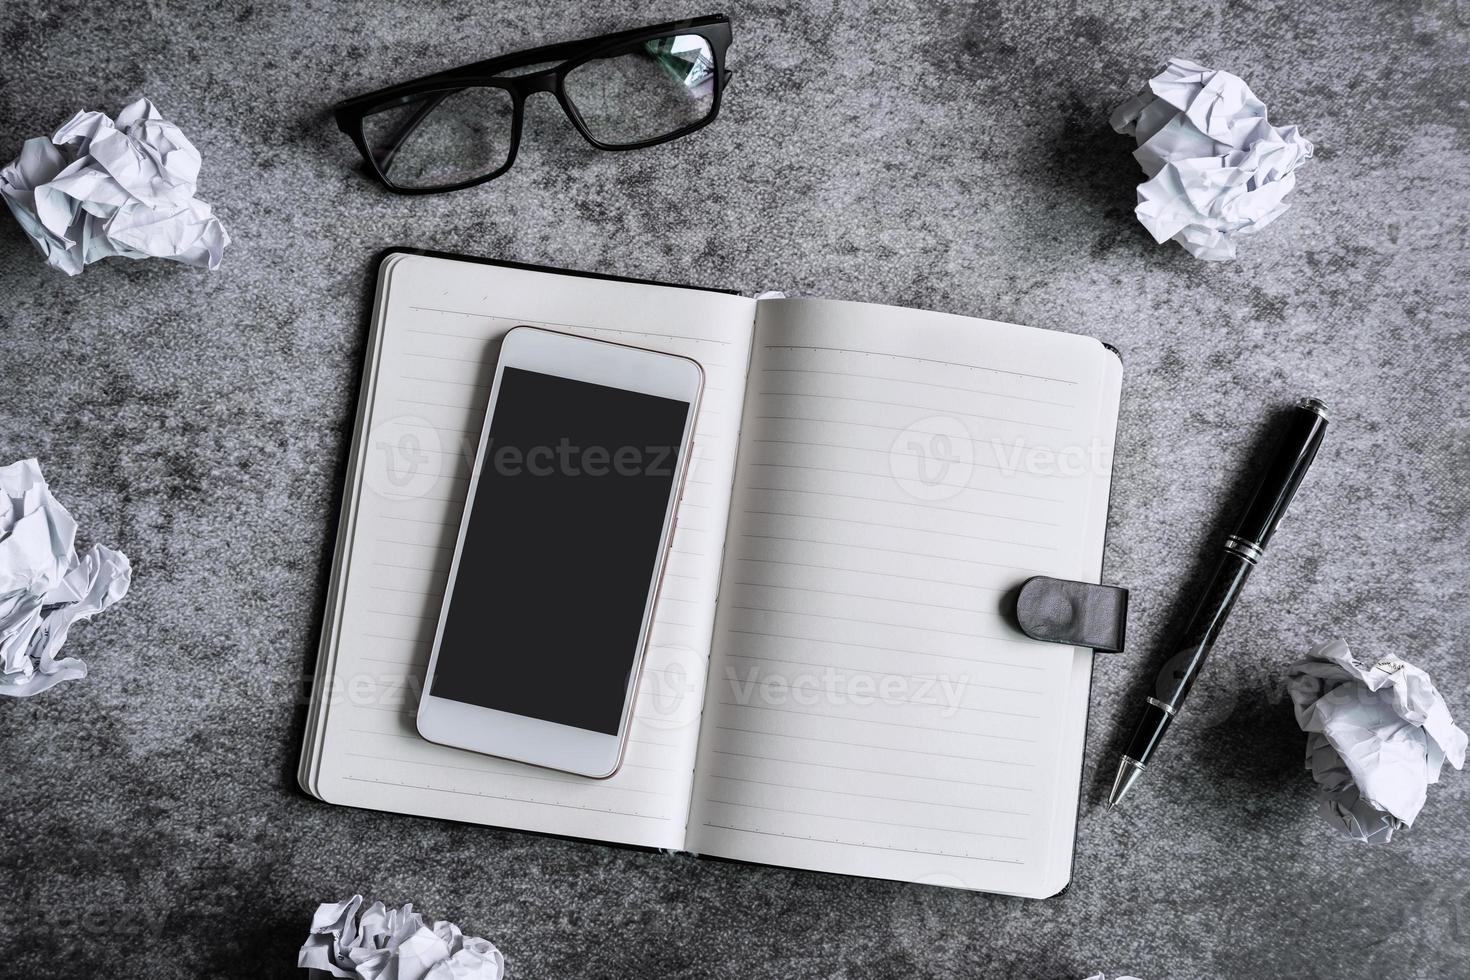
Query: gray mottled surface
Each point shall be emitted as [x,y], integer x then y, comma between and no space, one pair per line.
[945,156]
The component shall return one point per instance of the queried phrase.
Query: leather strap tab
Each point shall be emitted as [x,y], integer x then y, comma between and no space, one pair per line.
[1075,613]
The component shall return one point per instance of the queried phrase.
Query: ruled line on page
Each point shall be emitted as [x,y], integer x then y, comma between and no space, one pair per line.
[854,668]
[918,359]
[852,422]
[924,384]
[433,357]
[886,649]
[511,799]
[568,781]
[436,596]
[418,662]
[767,733]
[898,551]
[487,336]
[921,408]
[438,404]
[419,520]
[946,729]
[837,593]
[415,544]
[632,739]
[889,476]
[423,498]
[906,528]
[400,639]
[867,770]
[413,568]
[852,843]
[878,622]
[920,504]
[444,452]
[910,825]
[409,716]
[781,685]
[572,326]
[881,573]
[872,796]
[844,447]
[448,381]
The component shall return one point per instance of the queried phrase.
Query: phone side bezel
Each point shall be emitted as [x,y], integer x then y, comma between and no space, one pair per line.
[518,737]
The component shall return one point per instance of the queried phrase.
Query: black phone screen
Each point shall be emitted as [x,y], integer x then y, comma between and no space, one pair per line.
[558,557]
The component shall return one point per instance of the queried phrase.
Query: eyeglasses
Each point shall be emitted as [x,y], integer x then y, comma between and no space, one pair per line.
[621,91]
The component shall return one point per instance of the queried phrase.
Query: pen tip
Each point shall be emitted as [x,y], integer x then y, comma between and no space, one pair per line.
[1128,772]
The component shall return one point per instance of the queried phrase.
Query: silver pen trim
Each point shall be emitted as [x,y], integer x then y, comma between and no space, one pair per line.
[1314,406]
[1168,709]
[1245,549]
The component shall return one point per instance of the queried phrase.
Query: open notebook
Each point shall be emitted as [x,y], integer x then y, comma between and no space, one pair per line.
[832,680]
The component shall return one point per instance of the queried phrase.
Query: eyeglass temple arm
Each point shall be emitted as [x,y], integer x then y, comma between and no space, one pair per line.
[563,51]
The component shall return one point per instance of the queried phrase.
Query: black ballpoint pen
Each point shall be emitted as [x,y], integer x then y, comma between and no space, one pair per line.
[1243,549]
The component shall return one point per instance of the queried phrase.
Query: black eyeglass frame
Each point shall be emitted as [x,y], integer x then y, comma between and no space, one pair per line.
[350,113]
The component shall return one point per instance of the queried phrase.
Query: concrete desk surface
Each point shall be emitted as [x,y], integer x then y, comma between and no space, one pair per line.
[945,156]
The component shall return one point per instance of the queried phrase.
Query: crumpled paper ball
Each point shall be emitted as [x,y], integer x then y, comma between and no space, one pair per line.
[1377,735]
[44,586]
[393,944]
[1217,169]
[98,188]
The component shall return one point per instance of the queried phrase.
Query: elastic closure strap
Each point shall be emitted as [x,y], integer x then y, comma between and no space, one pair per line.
[1078,614]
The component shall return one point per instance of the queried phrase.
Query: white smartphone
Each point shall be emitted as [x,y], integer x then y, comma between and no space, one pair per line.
[562,545]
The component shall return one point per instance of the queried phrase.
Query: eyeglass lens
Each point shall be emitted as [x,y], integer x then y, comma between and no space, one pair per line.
[650,89]
[438,139]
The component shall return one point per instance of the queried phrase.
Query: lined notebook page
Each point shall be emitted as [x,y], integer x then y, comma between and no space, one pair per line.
[870,709]
[440,323]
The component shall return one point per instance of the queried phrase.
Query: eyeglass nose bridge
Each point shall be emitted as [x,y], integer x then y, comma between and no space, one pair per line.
[537,81]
